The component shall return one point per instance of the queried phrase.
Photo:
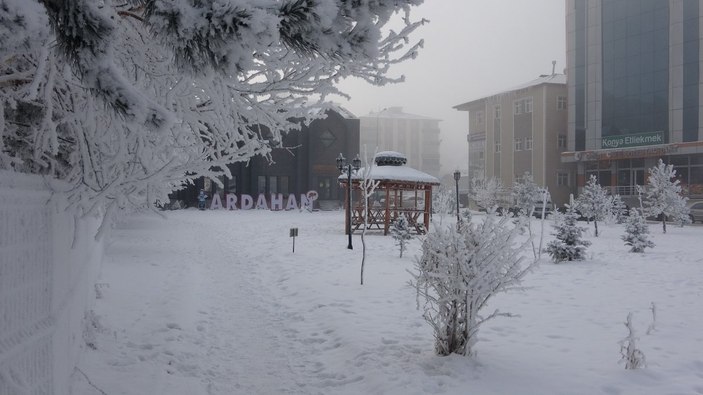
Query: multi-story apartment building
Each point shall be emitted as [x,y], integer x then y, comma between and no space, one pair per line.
[635,92]
[522,129]
[415,136]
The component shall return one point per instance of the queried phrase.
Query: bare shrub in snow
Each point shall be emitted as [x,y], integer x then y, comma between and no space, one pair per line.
[569,245]
[632,356]
[636,232]
[653,325]
[459,271]
[400,230]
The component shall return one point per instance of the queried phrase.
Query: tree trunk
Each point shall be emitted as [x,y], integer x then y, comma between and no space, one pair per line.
[664,222]
[596,224]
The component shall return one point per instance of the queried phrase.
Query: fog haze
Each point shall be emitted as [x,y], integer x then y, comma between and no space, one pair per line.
[472,49]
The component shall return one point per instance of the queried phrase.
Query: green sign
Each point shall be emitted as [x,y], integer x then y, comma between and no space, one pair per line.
[632,140]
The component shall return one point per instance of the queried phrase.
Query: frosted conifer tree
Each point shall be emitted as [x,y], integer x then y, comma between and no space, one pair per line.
[460,270]
[400,230]
[662,196]
[487,192]
[594,202]
[636,232]
[619,209]
[569,245]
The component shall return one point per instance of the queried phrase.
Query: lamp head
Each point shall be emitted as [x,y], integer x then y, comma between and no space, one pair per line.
[356,163]
[457,175]
[340,161]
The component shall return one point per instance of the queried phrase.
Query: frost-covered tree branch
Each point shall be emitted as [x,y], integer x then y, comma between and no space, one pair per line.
[90,93]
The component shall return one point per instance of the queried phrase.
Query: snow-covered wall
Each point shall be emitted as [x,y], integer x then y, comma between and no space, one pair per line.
[47,281]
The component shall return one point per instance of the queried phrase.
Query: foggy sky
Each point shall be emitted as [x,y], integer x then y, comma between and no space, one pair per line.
[473,48]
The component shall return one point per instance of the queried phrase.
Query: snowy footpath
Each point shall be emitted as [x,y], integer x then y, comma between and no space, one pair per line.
[215,302]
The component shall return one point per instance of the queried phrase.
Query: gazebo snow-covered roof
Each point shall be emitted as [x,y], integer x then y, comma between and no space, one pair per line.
[402,191]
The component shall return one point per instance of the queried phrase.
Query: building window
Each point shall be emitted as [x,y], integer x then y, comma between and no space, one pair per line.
[497,147]
[518,144]
[522,106]
[261,184]
[479,117]
[561,102]
[517,107]
[561,142]
[496,112]
[480,155]
[273,184]
[562,179]
[528,144]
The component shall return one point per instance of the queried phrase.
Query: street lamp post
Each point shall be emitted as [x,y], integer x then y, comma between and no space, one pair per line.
[343,166]
[457,176]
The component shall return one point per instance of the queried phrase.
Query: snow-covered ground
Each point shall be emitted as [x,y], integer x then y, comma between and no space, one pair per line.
[215,302]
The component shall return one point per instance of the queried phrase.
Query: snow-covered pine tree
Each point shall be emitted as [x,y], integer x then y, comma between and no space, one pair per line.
[460,270]
[569,245]
[90,94]
[662,196]
[594,202]
[400,230]
[636,232]
[619,209]
[526,194]
[487,192]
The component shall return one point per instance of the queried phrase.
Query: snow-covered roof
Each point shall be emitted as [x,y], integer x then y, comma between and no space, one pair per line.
[543,79]
[343,112]
[396,113]
[400,173]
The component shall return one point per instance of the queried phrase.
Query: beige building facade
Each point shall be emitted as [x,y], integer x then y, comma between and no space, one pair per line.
[522,129]
[415,136]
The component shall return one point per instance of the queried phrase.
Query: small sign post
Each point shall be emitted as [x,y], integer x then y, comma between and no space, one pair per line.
[293,234]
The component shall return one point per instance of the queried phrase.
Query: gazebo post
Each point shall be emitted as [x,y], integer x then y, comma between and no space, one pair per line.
[428,203]
[388,211]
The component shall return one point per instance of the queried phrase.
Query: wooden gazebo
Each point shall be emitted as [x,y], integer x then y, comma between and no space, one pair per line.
[402,190]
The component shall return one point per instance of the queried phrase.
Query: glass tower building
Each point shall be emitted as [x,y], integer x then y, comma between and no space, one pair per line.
[634,87]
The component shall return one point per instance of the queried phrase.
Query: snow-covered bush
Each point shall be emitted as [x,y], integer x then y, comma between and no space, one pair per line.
[594,202]
[443,202]
[400,230]
[486,192]
[636,232]
[526,194]
[466,215]
[662,196]
[632,356]
[569,245]
[460,269]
